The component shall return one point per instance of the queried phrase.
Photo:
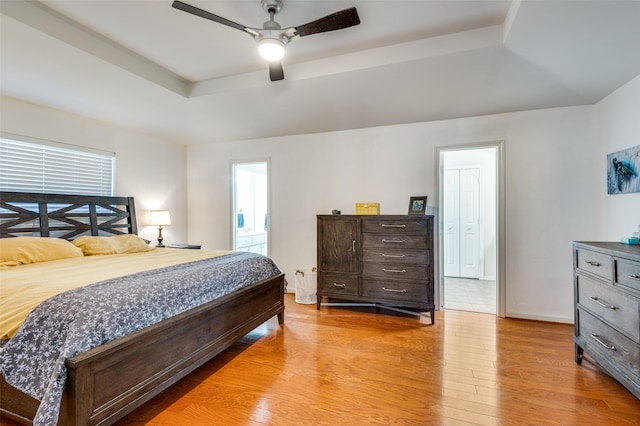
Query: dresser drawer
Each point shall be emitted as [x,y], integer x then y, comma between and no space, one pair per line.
[396,226]
[401,291]
[599,338]
[606,303]
[397,256]
[595,263]
[627,273]
[394,241]
[338,284]
[395,271]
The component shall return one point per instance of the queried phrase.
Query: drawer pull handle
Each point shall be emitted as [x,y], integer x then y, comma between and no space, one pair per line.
[597,339]
[384,240]
[384,225]
[395,271]
[397,256]
[592,263]
[339,285]
[603,304]
[395,290]
[635,277]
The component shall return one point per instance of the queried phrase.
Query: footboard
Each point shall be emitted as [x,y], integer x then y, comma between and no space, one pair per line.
[106,383]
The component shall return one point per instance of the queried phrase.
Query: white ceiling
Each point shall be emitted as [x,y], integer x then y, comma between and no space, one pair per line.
[145,65]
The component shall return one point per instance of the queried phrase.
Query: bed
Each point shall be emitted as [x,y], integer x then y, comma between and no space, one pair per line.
[106,382]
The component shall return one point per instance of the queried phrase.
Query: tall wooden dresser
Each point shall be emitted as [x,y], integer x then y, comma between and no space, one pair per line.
[385,260]
[607,308]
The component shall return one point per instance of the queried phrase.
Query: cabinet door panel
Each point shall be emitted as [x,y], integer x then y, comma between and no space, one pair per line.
[338,245]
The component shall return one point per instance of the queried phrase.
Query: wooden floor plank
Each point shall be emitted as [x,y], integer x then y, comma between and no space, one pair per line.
[354,366]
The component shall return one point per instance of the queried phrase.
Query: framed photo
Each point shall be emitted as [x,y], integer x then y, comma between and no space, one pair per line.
[417,205]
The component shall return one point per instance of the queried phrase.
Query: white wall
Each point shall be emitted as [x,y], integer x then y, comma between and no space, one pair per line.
[618,128]
[150,169]
[549,157]
[555,182]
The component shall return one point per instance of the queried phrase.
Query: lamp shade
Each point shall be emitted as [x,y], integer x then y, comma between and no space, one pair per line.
[159,217]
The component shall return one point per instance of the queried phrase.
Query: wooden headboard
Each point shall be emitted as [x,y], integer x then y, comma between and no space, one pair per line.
[65,216]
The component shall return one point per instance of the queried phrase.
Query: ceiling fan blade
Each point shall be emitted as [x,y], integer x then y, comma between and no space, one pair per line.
[207,15]
[336,21]
[276,72]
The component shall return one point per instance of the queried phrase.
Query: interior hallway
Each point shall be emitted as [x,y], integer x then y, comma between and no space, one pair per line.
[464,294]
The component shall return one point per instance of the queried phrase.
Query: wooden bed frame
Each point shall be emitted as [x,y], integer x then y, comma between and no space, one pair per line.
[108,382]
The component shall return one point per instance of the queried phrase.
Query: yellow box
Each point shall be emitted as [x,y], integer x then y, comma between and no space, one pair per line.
[367,208]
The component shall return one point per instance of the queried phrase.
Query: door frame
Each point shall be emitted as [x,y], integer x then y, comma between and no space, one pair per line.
[500,218]
[232,193]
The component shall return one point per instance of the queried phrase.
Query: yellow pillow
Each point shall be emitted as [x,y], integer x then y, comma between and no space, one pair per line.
[23,250]
[116,244]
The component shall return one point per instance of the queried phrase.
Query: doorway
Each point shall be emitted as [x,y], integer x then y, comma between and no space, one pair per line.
[470,182]
[250,206]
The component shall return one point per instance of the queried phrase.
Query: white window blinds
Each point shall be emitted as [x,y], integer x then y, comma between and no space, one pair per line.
[44,168]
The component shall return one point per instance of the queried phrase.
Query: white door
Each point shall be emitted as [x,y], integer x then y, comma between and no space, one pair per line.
[469,223]
[451,258]
[461,192]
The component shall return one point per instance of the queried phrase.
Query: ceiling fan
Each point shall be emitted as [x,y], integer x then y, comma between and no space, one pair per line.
[272,38]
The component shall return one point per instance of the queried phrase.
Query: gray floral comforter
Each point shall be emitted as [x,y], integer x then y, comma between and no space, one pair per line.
[65,325]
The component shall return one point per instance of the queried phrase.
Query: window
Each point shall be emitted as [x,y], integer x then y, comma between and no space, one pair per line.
[33,165]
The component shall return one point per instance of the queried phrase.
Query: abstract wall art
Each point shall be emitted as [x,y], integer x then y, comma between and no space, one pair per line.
[623,171]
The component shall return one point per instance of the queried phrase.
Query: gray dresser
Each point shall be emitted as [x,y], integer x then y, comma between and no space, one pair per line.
[607,308]
[380,259]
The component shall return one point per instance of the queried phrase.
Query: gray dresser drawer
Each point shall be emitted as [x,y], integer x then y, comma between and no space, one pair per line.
[396,256]
[595,263]
[599,338]
[610,305]
[627,273]
[394,241]
[402,291]
[338,284]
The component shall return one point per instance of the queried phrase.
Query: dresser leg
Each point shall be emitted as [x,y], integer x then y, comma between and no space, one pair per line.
[579,352]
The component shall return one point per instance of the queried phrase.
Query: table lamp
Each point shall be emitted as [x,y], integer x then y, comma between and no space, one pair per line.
[159,218]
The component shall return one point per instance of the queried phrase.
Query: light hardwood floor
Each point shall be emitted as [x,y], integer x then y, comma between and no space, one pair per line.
[351,366]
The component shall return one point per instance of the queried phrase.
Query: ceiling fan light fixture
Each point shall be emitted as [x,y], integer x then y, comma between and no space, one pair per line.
[271,49]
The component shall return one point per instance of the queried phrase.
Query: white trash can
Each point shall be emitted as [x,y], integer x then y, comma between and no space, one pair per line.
[306,285]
